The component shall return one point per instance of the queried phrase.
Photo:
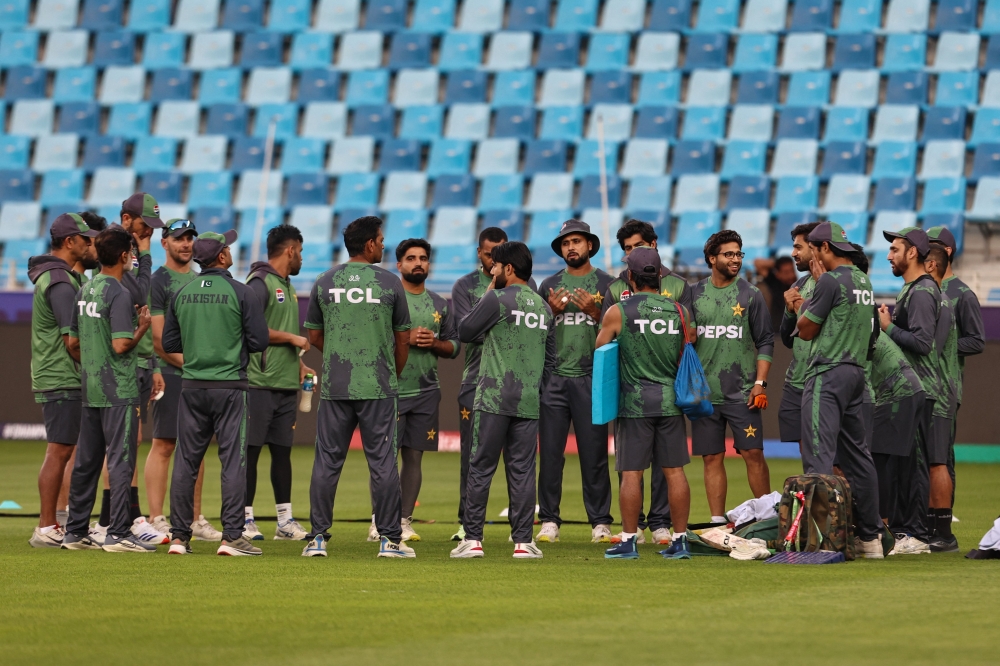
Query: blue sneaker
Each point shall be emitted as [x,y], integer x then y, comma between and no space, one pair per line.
[678,549]
[623,550]
[316,547]
[390,549]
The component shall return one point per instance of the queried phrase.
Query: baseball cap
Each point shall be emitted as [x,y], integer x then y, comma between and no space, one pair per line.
[915,235]
[177,227]
[209,244]
[832,233]
[70,224]
[644,261]
[943,236]
[145,206]
[575,227]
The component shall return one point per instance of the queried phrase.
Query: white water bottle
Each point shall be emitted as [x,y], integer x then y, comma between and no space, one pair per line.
[306,397]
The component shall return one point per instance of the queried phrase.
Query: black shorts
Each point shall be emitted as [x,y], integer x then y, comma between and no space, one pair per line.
[417,423]
[660,441]
[165,409]
[896,423]
[790,414]
[939,441]
[144,376]
[62,420]
[708,434]
[271,417]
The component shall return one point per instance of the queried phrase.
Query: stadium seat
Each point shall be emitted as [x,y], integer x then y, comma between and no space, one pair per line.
[743,158]
[460,51]
[860,16]
[617,121]
[693,157]
[787,222]
[575,15]
[804,51]
[943,159]
[751,122]
[612,87]
[204,153]
[62,188]
[844,157]
[943,195]
[262,49]
[985,127]
[696,193]
[656,51]
[302,155]
[497,157]
[650,193]
[659,89]
[14,152]
[31,118]
[704,123]
[221,86]
[228,120]
[847,194]
[328,120]
[765,16]
[904,53]
[360,50]
[284,116]
[290,16]
[623,15]
[211,50]
[400,155]
[467,87]
[896,159]
[510,51]
[758,88]
[846,124]
[809,15]
[991,91]
[986,201]
[656,122]
[372,87]
[164,50]
[19,220]
[122,85]
[307,189]
[707,51]
[544,156]
[957,89]
[243,15]
[749,192]
[110,186]
[694,228]
[468,121]
[549,192]
[177,119]
[114,48]
[434,16]
[895,194]
[889,221]
[501,192]
[755,53]
[449,157]
[310,50]
[794,157]
[590,192]
[608,52]
[454,226]
[152,153]
[386,15]
[171,84]
[670,15]
[165,187]
[957,52]
[944,123]
[249,187]
[515,122]
[130,121]
[907,88]
[857,88]
[588,161]
[795,194]
[511,221]
[645,157]
[986,160]
[318,85]
[799,123]
[196,15]
[403,224]
[414,87]
[24,82]
[754,225]
[103,151]
[337,16]
[354,154]
[709,88]
[907,15]
[74,84]
[451,191]
[854,52]
[481,15]
[410,50]
[17,185]
[248,153]
[562,88]
[808,89]
[419,122]
[14,15]
[68,49]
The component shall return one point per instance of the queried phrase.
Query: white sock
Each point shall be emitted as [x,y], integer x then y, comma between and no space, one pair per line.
[284,512]
[46,530]
[248,513]
[628,535]
[719,519]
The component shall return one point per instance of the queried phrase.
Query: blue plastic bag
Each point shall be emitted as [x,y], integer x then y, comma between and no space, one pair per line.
[691,392]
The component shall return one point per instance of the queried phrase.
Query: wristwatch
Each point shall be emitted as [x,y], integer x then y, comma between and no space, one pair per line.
[762,383]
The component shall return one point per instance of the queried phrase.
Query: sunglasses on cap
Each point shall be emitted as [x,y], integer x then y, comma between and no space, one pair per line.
[177,225]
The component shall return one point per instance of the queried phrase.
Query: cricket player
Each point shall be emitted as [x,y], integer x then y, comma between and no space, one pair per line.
[104,335]
[359,319]
[518,356]
[55,375]
[914,325]
[574,295]
[735,343]
[633,234]
[433,335]
[790,411]
[839,322]
[216,322]
[465,293]
[651,330]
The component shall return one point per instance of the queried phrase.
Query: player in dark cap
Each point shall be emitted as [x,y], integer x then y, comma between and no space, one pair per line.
[216,322]
[575,294]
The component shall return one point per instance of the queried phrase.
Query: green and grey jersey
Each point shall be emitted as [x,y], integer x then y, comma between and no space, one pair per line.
[891,376]
[796,373]
[52,307]
[649,349]
[162,286]
[843,304]
[466,292]
[671,285]
[359,307]
[968,321]
[216,322]
[137,283]
[515,325]
[949,370]
[277,367]
[915,329]
[576,331]
[734,332]
[104,312]
[433,312]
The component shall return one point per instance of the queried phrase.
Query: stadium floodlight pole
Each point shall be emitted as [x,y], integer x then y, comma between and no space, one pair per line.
[605,214]
[258,227]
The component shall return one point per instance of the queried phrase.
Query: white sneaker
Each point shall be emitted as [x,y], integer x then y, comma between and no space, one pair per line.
[179,547]
[527,551]
[251,531]
[160,524]
[407,526]
[390,549]
[600,534]
[98,532]
[870,550]
[290,531]
[907,545]
[548,534]
[51,539]
[129,544]
[145,533]
[467,549]
[640,537]
[202,530]
[315,548]
[373,531]
[662,536]
[753,549]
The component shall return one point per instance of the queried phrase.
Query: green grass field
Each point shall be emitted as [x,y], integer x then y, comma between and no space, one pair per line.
[572,606]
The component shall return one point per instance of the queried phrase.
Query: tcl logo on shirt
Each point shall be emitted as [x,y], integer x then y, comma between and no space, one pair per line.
[531,319]
[354,295]
[279,294]
[88,309]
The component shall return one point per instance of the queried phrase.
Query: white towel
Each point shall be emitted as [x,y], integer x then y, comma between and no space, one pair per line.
[754,510]
[991,540]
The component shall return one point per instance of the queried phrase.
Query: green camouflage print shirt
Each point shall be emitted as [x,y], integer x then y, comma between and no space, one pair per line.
[671,285]
[891,376]
[162,286]
[430,311]
[575,331]
[649,350]
[104,313]
[915,328]
[734,332]
[843,305]
[796,373]
[359,307]
[515,324]
[949,368]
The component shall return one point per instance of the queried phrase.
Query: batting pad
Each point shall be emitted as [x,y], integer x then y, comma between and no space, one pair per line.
[604,389]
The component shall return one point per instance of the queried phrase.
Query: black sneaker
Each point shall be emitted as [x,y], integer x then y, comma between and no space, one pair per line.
[942,545]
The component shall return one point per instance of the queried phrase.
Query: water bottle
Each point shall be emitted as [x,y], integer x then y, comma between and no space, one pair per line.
[306,397]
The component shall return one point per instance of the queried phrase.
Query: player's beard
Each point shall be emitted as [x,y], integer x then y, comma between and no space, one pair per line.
[295,267]
[500,282]
[415,278]
[576,261]
[727,272]
[898,272]
[89,263]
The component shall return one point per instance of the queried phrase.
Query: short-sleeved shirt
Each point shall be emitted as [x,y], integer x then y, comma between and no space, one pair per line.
[843,304]
[515,324]
[734,332]
[671,285]
[796,373]
[104,313]
[433,312]
[52,306]
[277,368]
[138,282]
[891,376]
[649,350]
[162,286]
[915,329]
[358,307]
[576,331]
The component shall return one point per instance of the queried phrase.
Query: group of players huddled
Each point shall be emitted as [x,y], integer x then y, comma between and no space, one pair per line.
[869,395]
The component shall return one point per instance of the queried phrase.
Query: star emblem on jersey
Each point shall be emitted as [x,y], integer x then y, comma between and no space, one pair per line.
[738,310]
[598,298]
[465,414]
[666,293]
[437,316]
[750,431]
[431,434]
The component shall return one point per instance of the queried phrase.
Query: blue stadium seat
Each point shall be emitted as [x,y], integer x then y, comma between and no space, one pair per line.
[590,192]
[302,155]
[749,192]
[811,15]
[103,151]
[758,88]
[588,162]
[481,15]
[262,49]
[354,154]
[709,87]
[578,15]
[659,89]
[895,159]
[501,192]
[559,49]
[613,87]
[196,15]
[460,51]
[386,15]
[455,226]
[309,49]
[465,86]
[62,187]
[14,152]
[608,52]
[753,225]
[808,89]
[693,157]
[497,157]
[419,122]
[623,15]
[74,84]
[707,51]
[164,50]
[943,195]
[19,221]
[530,15]
[549,192]
[213,218]
[211,50]
[991,90]
[986,202]
[154,153]
[645,157]
[515,122]
[751,122]
[220,86]
[249,187]
[847,194]
[448,156]
[650,193]
[755,52]
[787,222]
[943,159]
[164,186]
[986,160]
[985,127]
[854,52]
[694,228]
[468,121]
[904,52]
[957,89]
[799,123]
[435,16]
[457,190]
[992,53]
[248,153]
[718,15]
[954,221]
[860,15]
[895,194]
[290,16]
[129,120]
[243,15]
[907,88]
[844,157]
[14,15]
[177,119]
[656,51]
[337,16]
[656,122]
[545,226]
[400,155]
[403,224]
[114,48]
[110,186]
[514,89]
[31,117]
[369,88]
[804,52]
[617,119]
[307,189]
[794,194]
[896,123]
[511,221]
[360,50]
[171,84]
[846,124]
[670,15]
[991,17]
[102,14]
[204,153]
[122,85]
[452,261]
[25,82]
[794,157]
[957,52]
[907,15]
[410,50]
[510,51]
[941,122]
[228,120]
[67,49]
[704,123]
[285,117]
[857,88]
[743,158]
[319,85]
